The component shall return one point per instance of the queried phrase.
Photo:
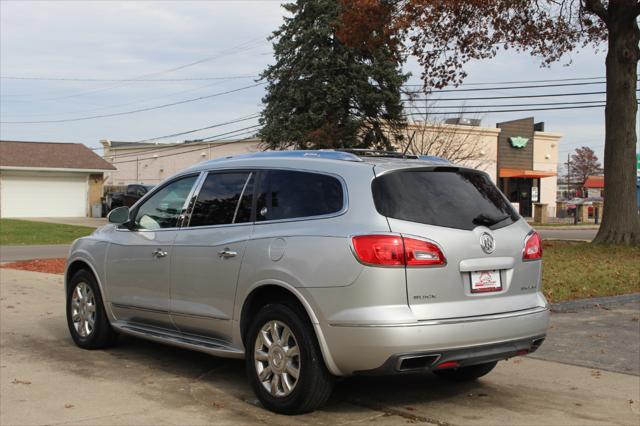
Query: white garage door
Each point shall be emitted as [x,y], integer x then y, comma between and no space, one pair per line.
[43,196]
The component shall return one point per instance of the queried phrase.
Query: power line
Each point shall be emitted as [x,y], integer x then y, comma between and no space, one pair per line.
[522,81]
[135,102]
[167,155]
[462,107]
[92,117]
[169,147]
[509,110]
[507,97]
[231,77]
[227,133]
[183,152]
[511,87]
[250,117]
[242,47]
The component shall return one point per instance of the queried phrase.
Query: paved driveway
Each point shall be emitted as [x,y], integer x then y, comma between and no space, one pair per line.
[45,379]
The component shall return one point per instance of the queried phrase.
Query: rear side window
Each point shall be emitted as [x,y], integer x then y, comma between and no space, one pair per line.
[285,194]
[451,198]
[223,199]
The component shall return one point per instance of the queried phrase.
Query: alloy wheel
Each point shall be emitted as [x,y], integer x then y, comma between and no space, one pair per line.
[277,358]
[83,309]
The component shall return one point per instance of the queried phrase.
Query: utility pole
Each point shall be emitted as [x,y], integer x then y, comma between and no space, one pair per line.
[569,174]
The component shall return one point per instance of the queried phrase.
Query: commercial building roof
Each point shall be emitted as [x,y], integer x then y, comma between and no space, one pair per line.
[594,182]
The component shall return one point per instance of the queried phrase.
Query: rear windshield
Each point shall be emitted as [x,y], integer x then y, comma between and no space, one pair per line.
[452,198]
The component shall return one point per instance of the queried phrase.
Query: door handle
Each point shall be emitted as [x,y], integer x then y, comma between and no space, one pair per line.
[159,253]
[226,253]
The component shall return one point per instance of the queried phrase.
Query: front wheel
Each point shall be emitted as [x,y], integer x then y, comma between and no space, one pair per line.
[284,363]
[86,317]
[466,374]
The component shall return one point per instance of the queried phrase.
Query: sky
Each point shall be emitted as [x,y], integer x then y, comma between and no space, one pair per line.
[177,51]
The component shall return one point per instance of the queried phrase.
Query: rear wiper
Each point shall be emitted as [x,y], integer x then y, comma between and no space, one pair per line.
[482,219]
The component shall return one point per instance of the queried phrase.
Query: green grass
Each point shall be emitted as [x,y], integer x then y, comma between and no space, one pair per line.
[24,232]
[575,270]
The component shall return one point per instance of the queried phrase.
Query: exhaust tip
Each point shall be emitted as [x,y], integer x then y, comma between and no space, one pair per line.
[420,362]
[536,344]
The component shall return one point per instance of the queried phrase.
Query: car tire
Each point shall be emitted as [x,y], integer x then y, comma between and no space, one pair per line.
[466,374]
[86,317]
[293,335]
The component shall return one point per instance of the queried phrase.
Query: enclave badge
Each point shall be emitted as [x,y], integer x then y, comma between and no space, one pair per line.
[487,243]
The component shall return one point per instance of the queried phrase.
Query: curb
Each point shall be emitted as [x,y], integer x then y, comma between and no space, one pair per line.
[596,302]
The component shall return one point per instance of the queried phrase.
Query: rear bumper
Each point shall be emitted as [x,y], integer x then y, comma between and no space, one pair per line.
[383,349]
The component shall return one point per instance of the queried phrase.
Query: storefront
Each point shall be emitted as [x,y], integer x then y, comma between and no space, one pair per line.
[527,160]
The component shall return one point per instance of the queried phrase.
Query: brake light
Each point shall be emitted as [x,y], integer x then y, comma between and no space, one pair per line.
[386,250]
[422,253]
[532,247]
[395,250]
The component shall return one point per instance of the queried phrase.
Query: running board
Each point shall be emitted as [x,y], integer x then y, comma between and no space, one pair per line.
[202,344]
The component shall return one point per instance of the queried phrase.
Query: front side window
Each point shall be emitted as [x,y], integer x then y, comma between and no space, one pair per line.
[164,208]
[224,198]
[286,194]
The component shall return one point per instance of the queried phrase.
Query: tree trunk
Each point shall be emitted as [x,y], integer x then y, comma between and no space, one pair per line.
[621,222]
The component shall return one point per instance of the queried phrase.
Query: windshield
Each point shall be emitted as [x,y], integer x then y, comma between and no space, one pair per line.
[448,197]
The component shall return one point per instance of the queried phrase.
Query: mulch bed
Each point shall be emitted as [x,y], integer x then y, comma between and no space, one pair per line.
[49,266]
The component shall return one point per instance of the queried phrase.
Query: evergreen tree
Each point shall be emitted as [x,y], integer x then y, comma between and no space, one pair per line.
[323,94]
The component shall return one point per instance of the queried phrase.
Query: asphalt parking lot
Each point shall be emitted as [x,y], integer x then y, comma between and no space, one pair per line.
[45,379]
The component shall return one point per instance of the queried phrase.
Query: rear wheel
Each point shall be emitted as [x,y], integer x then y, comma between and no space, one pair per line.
[86,318]
[466,374]
[284,363]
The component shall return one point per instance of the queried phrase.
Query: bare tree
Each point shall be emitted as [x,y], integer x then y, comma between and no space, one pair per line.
[432,135]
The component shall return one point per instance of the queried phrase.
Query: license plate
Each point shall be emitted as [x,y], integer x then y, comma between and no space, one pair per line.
[484,281]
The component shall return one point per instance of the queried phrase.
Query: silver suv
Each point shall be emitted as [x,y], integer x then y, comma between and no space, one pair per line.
[316,264]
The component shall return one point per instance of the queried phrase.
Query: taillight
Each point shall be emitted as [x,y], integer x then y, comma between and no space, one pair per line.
[395,250]
[422,253]
[532,247]
[386,250]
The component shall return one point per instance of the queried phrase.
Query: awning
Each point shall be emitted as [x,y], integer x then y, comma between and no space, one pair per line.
[522,173]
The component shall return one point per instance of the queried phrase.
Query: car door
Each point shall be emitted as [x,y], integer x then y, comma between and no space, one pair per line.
[138,263]
[208,252]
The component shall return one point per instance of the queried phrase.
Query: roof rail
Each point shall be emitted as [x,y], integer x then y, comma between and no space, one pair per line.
[434,159]
[394,154]
[323,154]
[377,153]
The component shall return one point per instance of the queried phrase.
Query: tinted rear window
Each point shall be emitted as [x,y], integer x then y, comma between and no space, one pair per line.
[286,194]
[451,198]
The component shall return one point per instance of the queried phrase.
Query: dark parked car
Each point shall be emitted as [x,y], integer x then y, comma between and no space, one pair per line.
[128,198]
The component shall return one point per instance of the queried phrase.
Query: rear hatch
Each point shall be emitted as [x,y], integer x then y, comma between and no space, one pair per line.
[460,210]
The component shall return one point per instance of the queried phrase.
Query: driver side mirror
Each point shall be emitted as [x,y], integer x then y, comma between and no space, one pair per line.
[119,215]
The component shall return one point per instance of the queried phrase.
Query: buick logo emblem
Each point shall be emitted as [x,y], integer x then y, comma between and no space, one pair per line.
[487,243]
